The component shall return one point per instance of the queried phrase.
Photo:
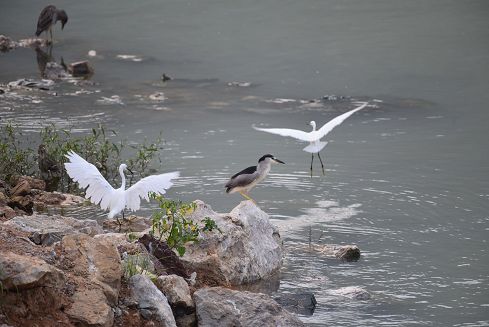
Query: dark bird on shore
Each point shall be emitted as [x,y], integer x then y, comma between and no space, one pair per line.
[246,179]
[48,17]
[47,164]
[49,168]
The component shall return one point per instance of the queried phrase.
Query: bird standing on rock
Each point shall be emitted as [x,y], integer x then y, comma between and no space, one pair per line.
[314,136]
[246,179]
[99,191]
[48,17]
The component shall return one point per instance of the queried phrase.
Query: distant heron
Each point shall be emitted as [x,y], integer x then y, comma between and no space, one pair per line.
[99,191]
[246,179]
[314,136]
[48,17]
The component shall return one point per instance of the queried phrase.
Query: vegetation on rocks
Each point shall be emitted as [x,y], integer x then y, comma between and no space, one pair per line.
[100,147]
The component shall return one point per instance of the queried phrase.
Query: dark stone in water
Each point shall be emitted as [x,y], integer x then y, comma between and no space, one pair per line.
[303,303]
[165,77]
[348,253]
[80,69]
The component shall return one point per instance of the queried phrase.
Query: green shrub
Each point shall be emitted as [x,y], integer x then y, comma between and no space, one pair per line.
[170,224]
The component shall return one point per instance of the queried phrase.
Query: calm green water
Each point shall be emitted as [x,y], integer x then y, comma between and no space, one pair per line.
[407,179]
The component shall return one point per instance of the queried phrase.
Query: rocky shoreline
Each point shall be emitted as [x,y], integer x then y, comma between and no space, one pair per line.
[61,271]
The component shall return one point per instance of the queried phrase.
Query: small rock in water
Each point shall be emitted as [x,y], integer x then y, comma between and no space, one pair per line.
[158,96]
[115,99]
[165,77]
[92,53]
[353,292]
[80,69]
[333,97]
[129,57]
[6,44]
[54,71]
[44,84]
[239,84]
[298,303]
[348,253]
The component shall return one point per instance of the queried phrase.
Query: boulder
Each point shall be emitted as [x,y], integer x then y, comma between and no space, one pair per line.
[176,291]
[24,203]
[25,272]
[6,213]
[347,252]
[58,199]
[97,259]
[352,292]
[302,303]
[152,304]
[22,188]
[80,69]
[32,182]
[46,229]
[219,306]
[248,249]
[131,223]
[90,308]
[6,43]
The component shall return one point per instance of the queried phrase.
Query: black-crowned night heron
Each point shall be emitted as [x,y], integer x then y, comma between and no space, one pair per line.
[246,179]
[48,17]
[314,136]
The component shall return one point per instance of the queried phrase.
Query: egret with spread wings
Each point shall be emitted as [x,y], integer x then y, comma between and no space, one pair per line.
[99,191]
[314,136]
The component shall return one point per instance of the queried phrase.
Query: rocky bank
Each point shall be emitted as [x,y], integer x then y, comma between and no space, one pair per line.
[60,271]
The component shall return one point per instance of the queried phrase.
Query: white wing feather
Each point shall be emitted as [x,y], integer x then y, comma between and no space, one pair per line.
[155,183]
[328,127]
[295,133]
[88,176]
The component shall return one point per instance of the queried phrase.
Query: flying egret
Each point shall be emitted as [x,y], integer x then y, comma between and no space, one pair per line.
[48,17]
[99,191]
[246,179]
[314,136]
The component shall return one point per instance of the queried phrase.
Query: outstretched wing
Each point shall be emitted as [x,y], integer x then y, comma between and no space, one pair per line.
[328,127]
[155,183]
[295,133]
[87,175]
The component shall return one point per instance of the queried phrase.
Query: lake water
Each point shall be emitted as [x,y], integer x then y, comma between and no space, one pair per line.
[406,178]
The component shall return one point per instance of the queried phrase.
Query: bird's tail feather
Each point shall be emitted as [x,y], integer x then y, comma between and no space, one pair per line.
[315,147]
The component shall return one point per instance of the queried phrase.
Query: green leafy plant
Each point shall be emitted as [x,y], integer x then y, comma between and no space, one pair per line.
[14,158]
[171,225]
[134,264]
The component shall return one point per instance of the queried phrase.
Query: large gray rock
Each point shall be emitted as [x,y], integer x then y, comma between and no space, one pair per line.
[97,267]
[248,249]
[219,306]
[90,308]
[176,290]
[152,303]
[46,229]
[24,272]
[97,259]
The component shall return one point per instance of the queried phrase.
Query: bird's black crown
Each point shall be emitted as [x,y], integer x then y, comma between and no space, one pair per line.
[266,156]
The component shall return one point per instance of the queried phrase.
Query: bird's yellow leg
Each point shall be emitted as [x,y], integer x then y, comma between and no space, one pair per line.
[247,196]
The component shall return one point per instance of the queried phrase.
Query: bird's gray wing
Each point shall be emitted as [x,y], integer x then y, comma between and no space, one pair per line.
[155,183]
[328,127]
[45,19]
[243,178]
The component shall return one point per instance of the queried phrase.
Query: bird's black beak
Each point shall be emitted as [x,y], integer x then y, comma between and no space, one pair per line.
[129,170]
[279,161]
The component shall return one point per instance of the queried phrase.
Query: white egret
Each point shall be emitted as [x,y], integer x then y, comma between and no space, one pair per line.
[99,191]
[314,136]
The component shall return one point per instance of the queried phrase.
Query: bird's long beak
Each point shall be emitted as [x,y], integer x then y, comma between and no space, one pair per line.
[279,161]
[129,170]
